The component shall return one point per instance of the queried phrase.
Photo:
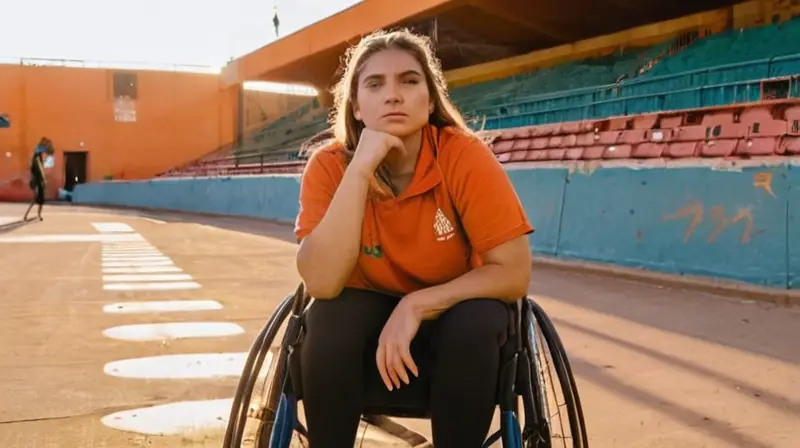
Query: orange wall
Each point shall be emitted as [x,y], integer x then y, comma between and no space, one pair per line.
[179,117]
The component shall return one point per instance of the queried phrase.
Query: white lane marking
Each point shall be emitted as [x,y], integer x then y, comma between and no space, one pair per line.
[154,221]
[128,244]
[135,258]
[163,306]
[136,264]
[70,238]
[112,227]
[142,270]
[152,250]
[165,286]
[184,366]
[146,277]
[173,419]
[173,330]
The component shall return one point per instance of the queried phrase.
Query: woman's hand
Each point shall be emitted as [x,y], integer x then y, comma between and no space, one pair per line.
[373,146]
[394,346]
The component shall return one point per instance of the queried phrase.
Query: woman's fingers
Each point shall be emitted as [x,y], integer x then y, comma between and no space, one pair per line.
[380,360]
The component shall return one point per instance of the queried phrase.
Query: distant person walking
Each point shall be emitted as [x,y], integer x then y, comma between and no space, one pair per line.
[276,22]
[38,183]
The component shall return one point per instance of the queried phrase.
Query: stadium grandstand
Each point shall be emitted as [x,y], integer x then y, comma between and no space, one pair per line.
[676,80]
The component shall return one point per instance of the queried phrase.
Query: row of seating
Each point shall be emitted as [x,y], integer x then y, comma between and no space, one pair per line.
[748,132]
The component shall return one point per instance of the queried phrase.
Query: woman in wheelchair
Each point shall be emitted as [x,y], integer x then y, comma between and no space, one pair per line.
[412,243]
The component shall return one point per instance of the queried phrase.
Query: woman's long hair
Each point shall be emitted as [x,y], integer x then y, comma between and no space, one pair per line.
[346,129]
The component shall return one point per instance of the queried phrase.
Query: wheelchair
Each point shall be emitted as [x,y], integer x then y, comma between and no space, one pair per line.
[273,423]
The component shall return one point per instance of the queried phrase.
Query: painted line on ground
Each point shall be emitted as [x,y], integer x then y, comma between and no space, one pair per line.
[146,277]
[134,264]
[182,367]
[171,419]
[162,306]
[142,270]
[70,238]
[135,258]
[173,331]
[112,227]
[164,286]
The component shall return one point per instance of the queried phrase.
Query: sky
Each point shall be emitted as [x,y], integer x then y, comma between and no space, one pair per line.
[179,32]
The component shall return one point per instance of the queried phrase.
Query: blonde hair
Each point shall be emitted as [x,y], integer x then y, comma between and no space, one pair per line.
[346,129]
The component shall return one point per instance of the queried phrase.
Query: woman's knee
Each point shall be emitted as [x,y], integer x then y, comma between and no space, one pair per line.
[474,324]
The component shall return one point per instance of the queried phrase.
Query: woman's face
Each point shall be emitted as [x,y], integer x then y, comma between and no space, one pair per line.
[392,94]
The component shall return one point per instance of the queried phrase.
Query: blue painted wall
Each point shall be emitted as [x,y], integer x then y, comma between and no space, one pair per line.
[741,225]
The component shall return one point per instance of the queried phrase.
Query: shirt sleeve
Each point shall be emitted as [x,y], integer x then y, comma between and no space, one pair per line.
[489,208]
[317,186]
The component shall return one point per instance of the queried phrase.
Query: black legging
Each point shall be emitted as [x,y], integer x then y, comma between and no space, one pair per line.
[458,356]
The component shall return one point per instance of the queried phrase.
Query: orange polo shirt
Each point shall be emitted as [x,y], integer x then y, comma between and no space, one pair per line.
[417,239]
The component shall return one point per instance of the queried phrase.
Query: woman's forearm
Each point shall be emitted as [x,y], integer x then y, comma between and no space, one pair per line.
[327,256]
[505,276]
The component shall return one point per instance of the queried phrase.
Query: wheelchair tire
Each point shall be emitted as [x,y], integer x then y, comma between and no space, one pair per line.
[563,371]
[252,367]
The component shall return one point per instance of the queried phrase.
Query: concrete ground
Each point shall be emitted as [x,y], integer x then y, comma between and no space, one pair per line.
[656,367]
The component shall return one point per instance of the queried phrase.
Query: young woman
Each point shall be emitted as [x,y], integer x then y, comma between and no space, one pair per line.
[413,241]
[38,182]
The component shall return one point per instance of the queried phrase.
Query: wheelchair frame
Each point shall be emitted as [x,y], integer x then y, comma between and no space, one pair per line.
[519,376]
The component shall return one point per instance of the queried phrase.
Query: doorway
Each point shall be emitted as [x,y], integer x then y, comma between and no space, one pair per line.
[75,163]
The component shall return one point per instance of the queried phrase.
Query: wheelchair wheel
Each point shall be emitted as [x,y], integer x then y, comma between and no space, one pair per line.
[261,413]
[546,353]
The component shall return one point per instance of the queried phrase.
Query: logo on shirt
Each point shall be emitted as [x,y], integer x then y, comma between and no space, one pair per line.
[442,226]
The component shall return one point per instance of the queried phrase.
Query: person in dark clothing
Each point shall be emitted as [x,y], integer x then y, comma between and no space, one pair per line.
[276,22]
[38,183]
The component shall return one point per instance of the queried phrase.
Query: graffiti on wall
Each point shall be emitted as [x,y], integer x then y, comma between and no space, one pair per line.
[696,213]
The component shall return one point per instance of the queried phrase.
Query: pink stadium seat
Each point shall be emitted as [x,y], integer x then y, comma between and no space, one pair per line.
[793,120]
[523,144]
[645,121]
[555,142]
[573,154]
[544,130]
[760,123]
[593,152]
[569,141]
[718,148]
[618,152]
[609,137]
[757,146]
[648,150]
[518,156]
[541,143]
[618,124]
[690,133]
[712,119]
[586,139]
[588,126]
[504,157]
[674,121]
[633,137]
[501,146]
[726,131]
[535,155]
[556,154]
[572,127]
[679,150]
[790,145]
[520,133]
[660,135]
